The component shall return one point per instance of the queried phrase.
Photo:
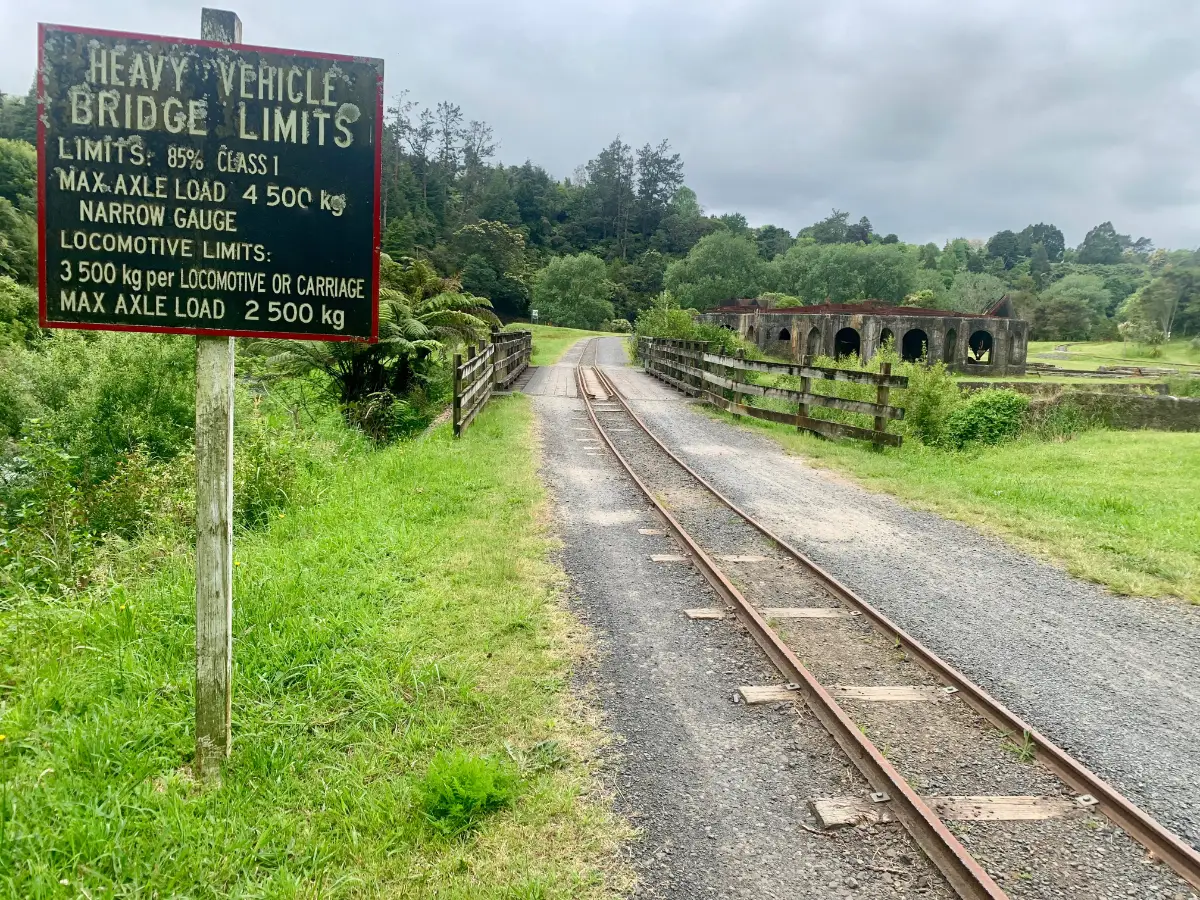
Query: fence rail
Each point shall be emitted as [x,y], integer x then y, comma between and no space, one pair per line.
[722,381]
[495,365]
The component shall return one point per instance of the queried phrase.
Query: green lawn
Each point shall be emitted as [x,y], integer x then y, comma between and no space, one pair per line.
[1118,508]
[551,342]
[1089,356]
[408,609]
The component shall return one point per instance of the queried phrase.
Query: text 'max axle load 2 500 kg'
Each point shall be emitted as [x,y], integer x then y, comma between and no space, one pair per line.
[206,188]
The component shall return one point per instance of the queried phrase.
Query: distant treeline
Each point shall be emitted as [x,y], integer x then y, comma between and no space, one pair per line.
[498,228]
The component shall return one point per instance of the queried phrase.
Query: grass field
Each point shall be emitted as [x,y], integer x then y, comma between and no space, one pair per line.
[409,610]
[1090,356]
[551,342]
[1118,508]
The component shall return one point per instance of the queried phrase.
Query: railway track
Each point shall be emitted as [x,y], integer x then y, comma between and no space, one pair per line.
[988,799]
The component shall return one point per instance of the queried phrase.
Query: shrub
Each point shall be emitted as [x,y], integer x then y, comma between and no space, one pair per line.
[45,541]
[460,790]
[928,401]
[617,326]
[987,417]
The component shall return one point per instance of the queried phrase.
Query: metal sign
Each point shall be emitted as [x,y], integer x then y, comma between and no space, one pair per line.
[203,188]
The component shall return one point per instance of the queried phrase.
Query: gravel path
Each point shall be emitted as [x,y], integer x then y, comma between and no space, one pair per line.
[1111,679]
[718,788]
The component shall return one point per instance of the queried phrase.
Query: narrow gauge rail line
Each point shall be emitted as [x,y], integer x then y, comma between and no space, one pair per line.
[930,833]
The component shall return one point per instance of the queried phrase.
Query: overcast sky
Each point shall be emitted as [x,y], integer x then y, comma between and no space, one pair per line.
[935,118]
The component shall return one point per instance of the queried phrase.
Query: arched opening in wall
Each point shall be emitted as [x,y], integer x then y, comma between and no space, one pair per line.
[951,347]
[1012,349]
[885,336]
[813,346]
[915,345]
[979,348]
[750,335]
[846,343]
[784,334]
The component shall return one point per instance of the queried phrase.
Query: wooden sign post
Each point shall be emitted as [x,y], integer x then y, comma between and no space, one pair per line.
[214,189]
[214,513]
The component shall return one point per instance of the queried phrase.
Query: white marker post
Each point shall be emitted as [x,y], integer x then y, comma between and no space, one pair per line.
[214,513]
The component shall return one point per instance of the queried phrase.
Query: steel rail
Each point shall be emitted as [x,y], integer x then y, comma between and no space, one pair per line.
[943,849]
[1180,856]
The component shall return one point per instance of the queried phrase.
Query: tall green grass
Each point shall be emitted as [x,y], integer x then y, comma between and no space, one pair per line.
[404,609]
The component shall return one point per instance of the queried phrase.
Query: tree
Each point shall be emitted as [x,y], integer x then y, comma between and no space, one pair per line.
[659,177]
[1158,302]
[1039,265]
[683,225]
[1061,318]
[1103,245]
[928,255]
[18,116]
[18,226]
[830,230]
[721,267]
[1087,289]
[1005,246]
[841,273]
[735,223]
[975,292]
[772,241]
[860,233]
[574,291]
[609,195]
[1048,236]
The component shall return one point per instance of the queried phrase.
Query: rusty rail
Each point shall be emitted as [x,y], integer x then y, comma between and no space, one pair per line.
[1181,857]
[944,850]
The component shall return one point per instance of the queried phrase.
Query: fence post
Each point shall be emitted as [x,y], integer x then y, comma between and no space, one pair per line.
[497,375]
[881,397]
[456,416]
[802,408]
[735,375]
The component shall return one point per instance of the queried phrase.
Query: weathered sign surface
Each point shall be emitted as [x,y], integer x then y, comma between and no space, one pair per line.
[203,188]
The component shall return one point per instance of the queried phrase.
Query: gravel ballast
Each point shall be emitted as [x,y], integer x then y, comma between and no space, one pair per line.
[1108,678]
[718,788]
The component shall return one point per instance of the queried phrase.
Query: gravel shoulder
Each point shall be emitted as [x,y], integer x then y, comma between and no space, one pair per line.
[1108,678]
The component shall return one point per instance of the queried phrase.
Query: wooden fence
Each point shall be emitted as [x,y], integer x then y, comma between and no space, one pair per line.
[723,382]
[496,364]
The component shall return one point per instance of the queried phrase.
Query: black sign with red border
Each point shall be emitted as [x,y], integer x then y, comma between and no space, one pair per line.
[192,187]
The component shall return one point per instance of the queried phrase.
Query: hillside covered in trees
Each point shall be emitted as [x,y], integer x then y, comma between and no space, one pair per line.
[603,243]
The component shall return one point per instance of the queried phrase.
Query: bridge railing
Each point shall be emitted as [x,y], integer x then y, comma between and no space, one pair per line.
[488,367]
[726,382]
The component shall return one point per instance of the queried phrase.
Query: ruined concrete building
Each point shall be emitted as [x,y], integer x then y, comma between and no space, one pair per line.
[990,343]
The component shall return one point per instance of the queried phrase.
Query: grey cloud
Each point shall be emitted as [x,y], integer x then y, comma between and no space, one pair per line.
[934,118]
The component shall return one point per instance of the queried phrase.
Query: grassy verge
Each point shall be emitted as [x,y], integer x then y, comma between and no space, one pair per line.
[1116,508]
[550,342]
[408,610]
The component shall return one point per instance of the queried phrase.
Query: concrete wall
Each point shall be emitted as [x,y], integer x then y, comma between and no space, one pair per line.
[798,336]
[1133,413]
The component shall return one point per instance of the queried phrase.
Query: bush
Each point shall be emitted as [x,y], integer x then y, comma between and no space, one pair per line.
[617,326]
[460,790]
[929,400]
[45,540]
[987,417]
[666,320]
